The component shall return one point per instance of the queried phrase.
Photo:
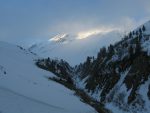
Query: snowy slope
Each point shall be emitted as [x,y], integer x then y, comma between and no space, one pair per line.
[128,89]
[74,49]
[24,88]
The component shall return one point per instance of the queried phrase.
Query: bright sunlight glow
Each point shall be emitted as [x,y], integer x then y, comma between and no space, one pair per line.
[58,37]
[86,34]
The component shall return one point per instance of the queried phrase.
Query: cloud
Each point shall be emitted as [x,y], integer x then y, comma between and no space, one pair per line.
[127,24]
[93,26]
[31,21]
[87,28]
[101,31]
[80,26]
[73,26]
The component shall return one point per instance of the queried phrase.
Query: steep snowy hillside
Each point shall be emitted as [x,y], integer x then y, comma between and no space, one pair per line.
[120,75]
[24,88]
[118,78]
[74,48]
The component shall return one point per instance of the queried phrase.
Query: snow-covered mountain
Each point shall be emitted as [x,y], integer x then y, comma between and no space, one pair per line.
[118,78]
[120,75]
[74,48]
[24,88]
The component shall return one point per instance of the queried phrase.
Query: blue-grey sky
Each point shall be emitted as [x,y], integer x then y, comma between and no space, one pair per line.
[26,21]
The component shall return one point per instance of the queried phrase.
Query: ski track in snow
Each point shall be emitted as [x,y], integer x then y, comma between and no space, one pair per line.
[16,100]
[28,98]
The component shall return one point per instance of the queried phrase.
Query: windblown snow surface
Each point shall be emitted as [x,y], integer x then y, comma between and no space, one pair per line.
[24,88]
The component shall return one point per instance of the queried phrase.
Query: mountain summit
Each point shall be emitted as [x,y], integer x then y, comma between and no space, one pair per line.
[74,48]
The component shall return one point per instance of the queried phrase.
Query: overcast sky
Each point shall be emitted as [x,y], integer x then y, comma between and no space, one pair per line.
[26,21]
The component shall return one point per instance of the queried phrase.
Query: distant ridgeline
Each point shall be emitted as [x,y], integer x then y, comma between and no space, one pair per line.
[118,75]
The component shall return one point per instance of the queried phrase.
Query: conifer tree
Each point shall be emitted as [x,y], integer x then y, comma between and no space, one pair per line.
[110,50]
[140,31]
[131,51]
[130,35]
[138,47]
[143,28]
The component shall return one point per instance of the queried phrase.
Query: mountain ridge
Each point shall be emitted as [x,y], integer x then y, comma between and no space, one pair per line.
[119,76]
[74,50]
